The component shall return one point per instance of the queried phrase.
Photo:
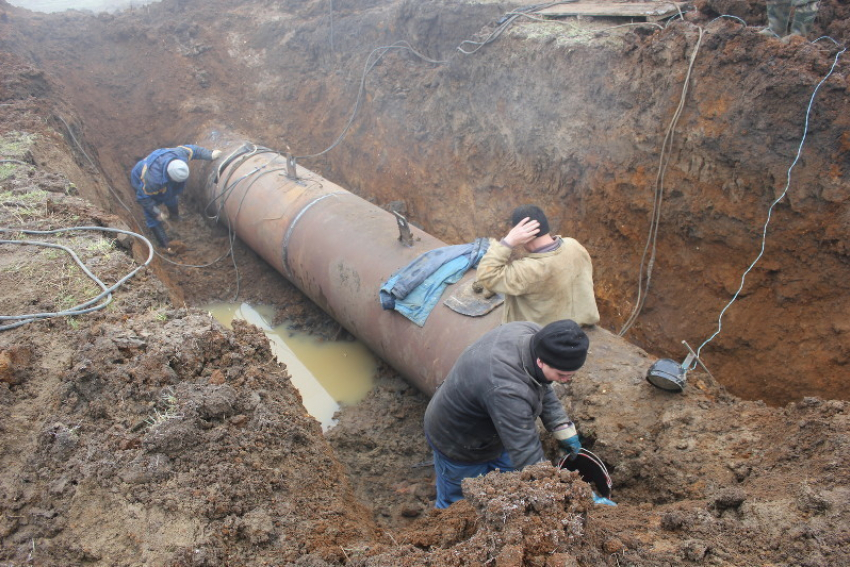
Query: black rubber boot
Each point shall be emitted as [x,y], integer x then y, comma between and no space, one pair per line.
[804,19]
[778,14]
[174,213]
[160,235]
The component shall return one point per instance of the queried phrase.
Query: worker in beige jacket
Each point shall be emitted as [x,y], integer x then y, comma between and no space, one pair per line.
[553,281]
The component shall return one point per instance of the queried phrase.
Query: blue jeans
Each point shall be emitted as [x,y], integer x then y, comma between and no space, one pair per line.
[450,474]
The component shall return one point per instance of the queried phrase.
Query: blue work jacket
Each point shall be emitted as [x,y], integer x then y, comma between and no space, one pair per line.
[149,176]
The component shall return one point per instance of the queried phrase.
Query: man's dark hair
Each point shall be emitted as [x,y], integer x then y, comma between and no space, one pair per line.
[534,213]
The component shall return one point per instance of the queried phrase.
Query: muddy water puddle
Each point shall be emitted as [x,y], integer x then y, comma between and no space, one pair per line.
[327,373]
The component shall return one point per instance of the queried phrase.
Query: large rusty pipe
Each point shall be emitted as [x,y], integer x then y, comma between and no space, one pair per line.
[339,249]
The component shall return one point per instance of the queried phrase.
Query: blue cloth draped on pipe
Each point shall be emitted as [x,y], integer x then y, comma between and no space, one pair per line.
[415,289]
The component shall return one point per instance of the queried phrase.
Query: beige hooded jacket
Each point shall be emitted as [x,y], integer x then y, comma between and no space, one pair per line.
[542,287]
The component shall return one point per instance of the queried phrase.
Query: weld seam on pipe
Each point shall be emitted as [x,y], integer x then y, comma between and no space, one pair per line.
[288,235]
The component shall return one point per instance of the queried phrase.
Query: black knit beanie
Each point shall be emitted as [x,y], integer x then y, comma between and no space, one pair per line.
[562,345]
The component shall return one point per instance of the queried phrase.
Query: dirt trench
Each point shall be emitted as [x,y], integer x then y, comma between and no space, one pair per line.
[124,447]
[573,115]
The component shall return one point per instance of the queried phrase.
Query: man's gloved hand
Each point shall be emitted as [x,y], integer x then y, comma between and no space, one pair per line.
[567,437]
[570,445]
[216,154]
[480,289]
[159,214]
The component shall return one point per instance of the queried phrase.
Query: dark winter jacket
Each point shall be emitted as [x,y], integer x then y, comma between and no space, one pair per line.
[490,401]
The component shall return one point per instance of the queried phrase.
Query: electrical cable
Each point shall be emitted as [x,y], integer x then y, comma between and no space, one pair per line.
[243,153]
[656,213]
[255,176]
[402,45]
[652,237]
[503,24]
[96,168]
[774,203]
[743,23]
[84,307]
[82,266]
[238,158]
[664,157]
[331,23]
[16,161]
[507,20]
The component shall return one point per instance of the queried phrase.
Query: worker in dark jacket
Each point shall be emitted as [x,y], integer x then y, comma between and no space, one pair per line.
[160,178]
[483,417]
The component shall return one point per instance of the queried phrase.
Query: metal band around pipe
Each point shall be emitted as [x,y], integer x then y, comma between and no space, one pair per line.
[288,235]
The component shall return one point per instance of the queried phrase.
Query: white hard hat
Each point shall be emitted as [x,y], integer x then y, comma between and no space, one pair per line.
[178,170]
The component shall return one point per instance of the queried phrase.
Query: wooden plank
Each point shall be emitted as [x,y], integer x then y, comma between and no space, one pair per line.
[614,9]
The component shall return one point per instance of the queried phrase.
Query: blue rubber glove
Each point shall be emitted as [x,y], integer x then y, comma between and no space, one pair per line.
[602,500]
[571,445]
[568,439]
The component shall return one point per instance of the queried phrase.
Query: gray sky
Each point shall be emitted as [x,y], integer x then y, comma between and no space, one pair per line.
[93,5]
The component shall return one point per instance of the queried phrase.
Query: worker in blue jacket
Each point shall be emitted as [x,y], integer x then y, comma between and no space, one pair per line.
[160,178]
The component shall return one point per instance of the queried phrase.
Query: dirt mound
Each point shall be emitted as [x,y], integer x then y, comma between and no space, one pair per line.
[141,433]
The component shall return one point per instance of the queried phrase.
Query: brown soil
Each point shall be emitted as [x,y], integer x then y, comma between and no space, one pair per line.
[145,433]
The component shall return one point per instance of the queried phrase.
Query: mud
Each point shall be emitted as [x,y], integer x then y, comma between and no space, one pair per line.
[145,433]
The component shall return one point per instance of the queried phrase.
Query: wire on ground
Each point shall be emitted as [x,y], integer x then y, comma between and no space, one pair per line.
[87,306]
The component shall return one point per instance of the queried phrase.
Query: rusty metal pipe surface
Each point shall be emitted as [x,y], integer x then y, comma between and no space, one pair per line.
[339,249]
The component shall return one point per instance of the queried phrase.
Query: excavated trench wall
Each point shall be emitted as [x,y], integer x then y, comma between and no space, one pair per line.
[578,126]
[571,115]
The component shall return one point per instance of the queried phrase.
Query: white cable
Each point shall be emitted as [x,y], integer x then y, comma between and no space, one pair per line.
[772,206]
[82,308]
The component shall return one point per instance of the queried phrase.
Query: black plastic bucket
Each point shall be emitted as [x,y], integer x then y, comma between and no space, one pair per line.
[591,470]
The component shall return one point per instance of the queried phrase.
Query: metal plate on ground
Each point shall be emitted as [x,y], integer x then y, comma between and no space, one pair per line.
[652,11]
